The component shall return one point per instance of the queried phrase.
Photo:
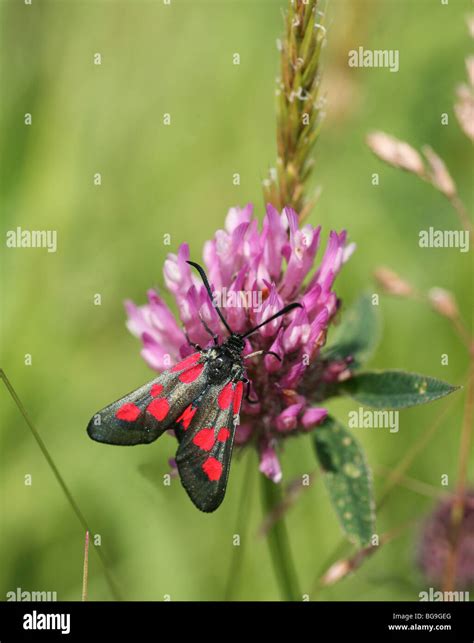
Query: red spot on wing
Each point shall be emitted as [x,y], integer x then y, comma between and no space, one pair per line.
[192,374]
[212,468]
[204,439]
[186,416]
[159,408]
[239,390]
[223,434]
[186,363]
[225,396]
[128,412]
[156,389]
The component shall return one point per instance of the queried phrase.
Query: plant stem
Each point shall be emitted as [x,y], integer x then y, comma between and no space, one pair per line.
[410,455]
[75,507]
[241,529]
[341,568]
[278,542]
[85,572]
[289,495]
[457,512]
[462,213]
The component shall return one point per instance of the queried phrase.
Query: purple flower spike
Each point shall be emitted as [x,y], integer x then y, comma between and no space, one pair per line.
[270,307]
[298,332]
[436,542]
[269,463]
[287,420]
[274,237]
[177,272]
[253,274]
[312,417]
[300,254]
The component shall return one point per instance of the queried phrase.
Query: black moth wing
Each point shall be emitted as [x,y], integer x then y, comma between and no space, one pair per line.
[204,454]
[144,414]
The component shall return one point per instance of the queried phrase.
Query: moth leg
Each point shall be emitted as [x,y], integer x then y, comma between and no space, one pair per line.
[263,353]
[196,346]
[214,336]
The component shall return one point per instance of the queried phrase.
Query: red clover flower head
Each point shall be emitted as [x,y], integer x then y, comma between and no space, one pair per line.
[254,274]
[436,543]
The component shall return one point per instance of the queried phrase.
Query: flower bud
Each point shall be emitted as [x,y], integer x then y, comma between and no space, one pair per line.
[392,283]
[443,302]
[395,152]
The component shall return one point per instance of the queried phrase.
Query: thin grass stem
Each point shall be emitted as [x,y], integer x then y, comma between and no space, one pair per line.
[60,480]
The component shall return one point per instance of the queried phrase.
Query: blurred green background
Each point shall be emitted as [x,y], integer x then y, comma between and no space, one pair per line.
[178,179]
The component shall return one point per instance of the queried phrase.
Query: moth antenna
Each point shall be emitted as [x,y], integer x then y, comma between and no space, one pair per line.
[209,292]
[214,336]
[283,311]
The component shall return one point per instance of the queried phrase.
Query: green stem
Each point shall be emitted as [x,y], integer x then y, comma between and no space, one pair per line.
[241,528]
[279,544]
[60,480]
[85,573]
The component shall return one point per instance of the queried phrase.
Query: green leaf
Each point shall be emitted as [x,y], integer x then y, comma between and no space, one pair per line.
[395,389]
[357,335]
[347,478]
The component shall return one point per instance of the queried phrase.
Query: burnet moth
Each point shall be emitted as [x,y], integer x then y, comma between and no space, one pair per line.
[200,399]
